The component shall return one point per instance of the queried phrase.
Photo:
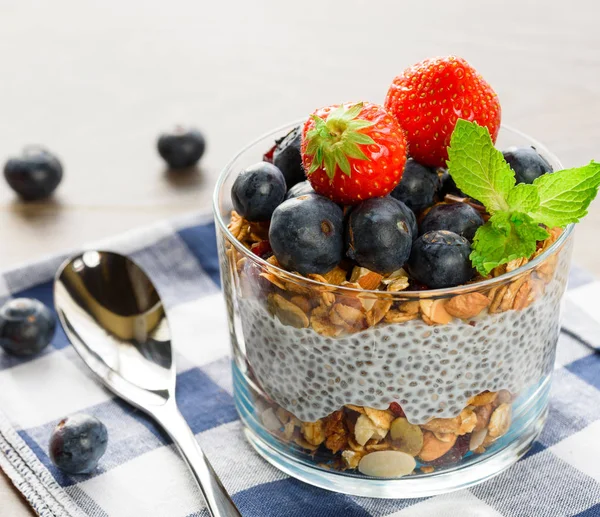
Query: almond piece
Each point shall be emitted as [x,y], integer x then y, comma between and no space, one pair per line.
[395,316]
[344,315]
[477,439]
[381,418]
[500,421]
[387,464]
[336,276]
[443,425]
[466,306]
[468,421]
[313,432]
[483,416]
[352,459]
[435,311]
[434,448]
[378,311]
[370,281]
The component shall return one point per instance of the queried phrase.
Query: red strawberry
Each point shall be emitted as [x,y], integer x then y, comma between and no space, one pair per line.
[428,98]
[353,152]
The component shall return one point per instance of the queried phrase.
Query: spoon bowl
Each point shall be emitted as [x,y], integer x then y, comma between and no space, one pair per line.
[114,317]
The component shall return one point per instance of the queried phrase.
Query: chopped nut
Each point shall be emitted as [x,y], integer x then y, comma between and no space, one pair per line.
[299,440]
[287,312]
[445,437]
[516,264]
[504,397]
[270,420]
[526,295]
[381,418]
[434,448]
[477,439]
[354,445]
[511,292]
[314,432]
[466,306]
[400,284]
[484,398]
[358,409]
[443,425]
[378,311]
[500,421]
[388,464]
[497,300]
[370,281]
[374,445]
[336,432]
[274,279]
[410,307]
[427,469]
[352,458]
[344,315]
[435,311]
[483,416]
[336,276]
[394,316]
[365,430]
[289,429]
[321,323]
[547,268]
[468,421]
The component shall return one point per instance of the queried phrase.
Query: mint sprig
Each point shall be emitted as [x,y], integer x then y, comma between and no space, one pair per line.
[517,211]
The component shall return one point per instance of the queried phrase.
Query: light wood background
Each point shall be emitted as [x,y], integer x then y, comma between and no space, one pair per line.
[96,81]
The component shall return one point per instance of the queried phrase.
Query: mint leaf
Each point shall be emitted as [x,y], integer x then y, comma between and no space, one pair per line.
[565,195]
[478,168]
[505,237]
[523,198]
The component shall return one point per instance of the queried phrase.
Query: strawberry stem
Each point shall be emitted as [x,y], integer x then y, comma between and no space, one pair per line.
[333,140]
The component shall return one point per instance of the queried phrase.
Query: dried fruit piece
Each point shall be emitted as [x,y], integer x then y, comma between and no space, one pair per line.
[314,432]
[484,398]
[388,464]
[466,306]
[435,311]
[287,312]
[396,409]
[406,437]
[500,421]
[434,448]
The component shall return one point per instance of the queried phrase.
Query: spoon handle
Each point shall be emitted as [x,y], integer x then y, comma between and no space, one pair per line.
[217,499]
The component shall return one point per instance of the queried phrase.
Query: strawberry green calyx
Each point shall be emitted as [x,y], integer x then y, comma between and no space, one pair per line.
[333,140]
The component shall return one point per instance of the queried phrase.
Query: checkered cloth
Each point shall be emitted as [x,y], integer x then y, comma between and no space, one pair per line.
[141,473]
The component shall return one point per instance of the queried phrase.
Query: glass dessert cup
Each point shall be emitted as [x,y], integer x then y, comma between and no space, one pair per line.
[328,375]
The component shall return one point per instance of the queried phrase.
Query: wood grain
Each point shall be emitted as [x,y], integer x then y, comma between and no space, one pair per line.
[97,81]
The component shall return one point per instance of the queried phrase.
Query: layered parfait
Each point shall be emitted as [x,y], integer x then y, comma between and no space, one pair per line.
[394,280]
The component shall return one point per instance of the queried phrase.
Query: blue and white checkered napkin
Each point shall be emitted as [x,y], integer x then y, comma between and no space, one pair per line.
[141,474]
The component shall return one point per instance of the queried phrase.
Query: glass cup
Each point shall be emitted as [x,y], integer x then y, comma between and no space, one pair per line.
[388,392]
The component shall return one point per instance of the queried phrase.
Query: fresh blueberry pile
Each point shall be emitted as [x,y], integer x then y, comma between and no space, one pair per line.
[414,227]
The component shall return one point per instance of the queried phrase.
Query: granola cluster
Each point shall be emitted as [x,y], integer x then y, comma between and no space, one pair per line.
[354,433]
[332,313]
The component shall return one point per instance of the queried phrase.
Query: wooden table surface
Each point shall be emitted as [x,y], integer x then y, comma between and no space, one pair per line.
[97,81]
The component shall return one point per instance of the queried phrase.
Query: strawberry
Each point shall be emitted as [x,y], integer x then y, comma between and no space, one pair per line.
[353,152]
[428,98]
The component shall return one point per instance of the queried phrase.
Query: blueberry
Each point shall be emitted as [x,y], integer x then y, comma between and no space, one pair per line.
[448,186]
[527,163]
[410,218]
[77,443]
[257,191]
[459,218]
[440,259]
[300,189]
[26,326]
[288,158]
[418,186]
[306,234]
[379,235]
[182,147]
[35,174]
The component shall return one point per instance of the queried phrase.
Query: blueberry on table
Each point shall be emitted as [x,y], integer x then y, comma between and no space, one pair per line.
[288,158]
[182,147]
[300,189]
[77,443]
[306,234]
[257,191]
[527,163]
[459,218]
[379,235]
[440,259]
[26,326]
[35,174]
[418,186]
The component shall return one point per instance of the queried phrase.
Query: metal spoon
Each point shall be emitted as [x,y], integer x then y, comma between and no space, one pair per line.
[115,319]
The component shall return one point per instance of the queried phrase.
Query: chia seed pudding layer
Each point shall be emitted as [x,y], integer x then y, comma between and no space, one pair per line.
[431,371]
